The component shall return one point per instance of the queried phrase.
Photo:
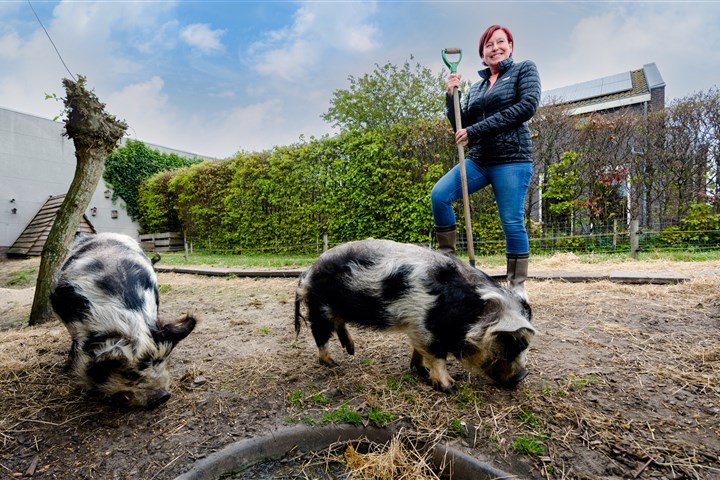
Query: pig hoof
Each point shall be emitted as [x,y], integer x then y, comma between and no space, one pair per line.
[422,371]
[449,389]
[328,362]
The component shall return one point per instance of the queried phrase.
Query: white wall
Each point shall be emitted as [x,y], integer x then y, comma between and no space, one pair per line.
[37,162]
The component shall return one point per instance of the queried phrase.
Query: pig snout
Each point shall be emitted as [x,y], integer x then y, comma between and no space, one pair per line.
[514,381]
[132,400]
[158,399]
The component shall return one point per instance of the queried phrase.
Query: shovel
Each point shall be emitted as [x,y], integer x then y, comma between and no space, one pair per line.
[461,153]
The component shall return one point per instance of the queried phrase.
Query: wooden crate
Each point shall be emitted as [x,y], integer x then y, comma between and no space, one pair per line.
[162,242]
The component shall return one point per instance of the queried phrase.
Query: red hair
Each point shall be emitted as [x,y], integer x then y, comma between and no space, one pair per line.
[489,33]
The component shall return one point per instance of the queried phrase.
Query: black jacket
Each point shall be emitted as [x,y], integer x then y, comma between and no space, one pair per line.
[496,121]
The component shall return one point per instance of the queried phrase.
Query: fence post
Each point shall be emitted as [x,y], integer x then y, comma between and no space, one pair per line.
[634,238]
[325,242]
[615,233]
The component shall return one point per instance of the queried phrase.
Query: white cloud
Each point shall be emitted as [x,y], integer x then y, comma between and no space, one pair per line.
[152,118]
[9,45]
[319,29]
[201,37]
[285,78]
[144,106]
[677,39]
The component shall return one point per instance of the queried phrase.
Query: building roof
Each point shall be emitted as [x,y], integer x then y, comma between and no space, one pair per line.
[32,240]
[613,91]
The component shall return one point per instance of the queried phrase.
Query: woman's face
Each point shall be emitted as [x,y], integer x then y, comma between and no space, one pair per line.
[496,49]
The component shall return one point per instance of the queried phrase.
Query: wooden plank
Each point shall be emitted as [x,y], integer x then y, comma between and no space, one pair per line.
[221,272]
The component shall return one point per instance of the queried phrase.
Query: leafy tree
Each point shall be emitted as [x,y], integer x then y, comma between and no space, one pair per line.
[554,133]
[127,167]
[388,96]
[560,188]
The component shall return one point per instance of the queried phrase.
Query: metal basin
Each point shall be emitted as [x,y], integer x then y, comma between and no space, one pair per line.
[243,454]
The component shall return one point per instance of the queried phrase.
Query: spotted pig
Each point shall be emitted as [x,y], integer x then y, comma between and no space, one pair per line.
[107,296]
[443,305]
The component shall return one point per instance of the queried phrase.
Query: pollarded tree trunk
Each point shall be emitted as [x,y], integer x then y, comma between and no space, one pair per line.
[95,134]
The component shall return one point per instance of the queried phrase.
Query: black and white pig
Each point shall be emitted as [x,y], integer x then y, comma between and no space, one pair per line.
[442,304]
[107,296]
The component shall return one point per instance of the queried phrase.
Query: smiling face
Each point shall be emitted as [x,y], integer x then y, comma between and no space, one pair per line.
[496,49]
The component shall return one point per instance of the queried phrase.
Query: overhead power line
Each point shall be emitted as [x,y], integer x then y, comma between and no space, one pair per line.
[51,40]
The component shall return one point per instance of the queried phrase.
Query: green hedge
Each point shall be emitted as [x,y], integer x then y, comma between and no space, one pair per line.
[354,185]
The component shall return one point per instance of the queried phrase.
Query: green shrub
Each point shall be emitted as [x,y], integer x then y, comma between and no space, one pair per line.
[699,227]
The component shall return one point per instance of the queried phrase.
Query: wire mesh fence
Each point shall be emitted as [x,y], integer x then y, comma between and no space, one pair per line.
[614,237]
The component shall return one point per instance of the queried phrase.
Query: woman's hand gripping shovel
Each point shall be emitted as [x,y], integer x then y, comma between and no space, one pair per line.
[461,153]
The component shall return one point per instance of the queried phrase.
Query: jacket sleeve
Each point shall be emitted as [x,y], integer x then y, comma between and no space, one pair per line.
[522,110]
[450,110]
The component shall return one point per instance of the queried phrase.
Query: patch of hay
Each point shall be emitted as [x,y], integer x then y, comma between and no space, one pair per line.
[404,457]
[560,261]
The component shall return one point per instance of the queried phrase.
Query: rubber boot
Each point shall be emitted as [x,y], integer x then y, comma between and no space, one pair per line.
[446,239]
[517,270]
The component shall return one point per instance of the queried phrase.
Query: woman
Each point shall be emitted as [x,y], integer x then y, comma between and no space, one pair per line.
[494,127]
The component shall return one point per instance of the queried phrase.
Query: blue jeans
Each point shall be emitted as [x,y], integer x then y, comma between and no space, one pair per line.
[510,183]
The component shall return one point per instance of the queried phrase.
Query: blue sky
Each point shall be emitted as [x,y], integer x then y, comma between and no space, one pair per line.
[216,77]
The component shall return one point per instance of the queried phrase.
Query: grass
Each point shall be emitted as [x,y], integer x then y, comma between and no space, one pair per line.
[529,418]
[231,260]
[396,383]
[527,445]
[380,417]
[21,278]
[297,398]
[320,398]
[343,414]
[465,396]
[577,383]
[302,261]
[457,427]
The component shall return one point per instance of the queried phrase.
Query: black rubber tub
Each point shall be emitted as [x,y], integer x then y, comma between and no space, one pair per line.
[243,454]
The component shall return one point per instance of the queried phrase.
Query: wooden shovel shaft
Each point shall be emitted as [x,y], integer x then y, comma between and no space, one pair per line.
[463,180]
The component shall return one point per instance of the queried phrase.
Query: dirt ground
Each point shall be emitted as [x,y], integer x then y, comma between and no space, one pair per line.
[624,382]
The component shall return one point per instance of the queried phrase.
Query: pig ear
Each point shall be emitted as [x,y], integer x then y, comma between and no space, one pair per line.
[174,332]
[514,343]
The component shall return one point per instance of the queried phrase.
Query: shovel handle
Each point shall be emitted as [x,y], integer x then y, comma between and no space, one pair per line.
[464,183]
[461,152]
[450,64]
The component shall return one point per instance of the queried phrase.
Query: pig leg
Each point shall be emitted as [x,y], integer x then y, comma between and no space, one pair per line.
[439,376]
[433,370]
[322,329]
[416,362]
[345,338]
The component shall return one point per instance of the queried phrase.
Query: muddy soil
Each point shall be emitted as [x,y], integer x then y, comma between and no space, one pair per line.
[624,382]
